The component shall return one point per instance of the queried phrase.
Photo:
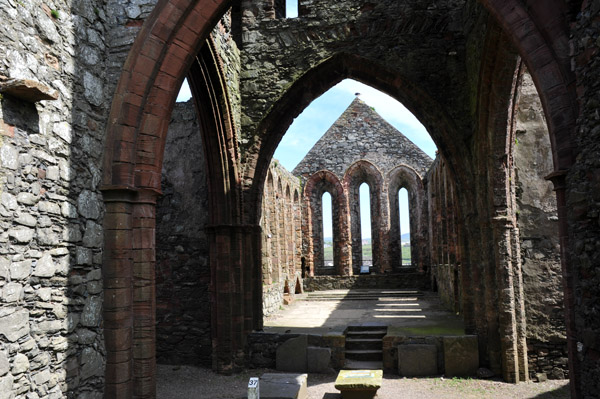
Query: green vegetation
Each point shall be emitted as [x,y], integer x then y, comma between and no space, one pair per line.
[54,14]
[426,330]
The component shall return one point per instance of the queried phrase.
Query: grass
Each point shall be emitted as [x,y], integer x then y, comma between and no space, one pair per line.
[425,331]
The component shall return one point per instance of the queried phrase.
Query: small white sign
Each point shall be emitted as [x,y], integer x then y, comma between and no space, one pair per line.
[253,392]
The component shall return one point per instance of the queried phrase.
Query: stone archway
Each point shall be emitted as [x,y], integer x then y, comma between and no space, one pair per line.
[406,177]
[159,59]
[312,227]
[365,172]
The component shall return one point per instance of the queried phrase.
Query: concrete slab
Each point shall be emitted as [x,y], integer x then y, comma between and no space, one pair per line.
[417,360]
[359,384]
[461,356]
[291,355]
[283,386]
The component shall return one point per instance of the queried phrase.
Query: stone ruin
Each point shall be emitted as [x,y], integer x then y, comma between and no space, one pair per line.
[96,280]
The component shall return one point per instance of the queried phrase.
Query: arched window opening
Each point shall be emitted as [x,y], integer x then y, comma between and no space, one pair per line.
[328,238]
[365,224]
[404,222]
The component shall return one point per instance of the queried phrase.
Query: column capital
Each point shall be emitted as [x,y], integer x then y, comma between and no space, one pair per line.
[558,178]
[129,194]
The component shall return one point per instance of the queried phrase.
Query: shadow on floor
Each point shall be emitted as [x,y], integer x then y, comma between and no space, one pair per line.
[562,392]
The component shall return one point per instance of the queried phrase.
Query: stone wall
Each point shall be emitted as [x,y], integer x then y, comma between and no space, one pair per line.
[182,268]
[583,200]
[444,230]
[361,134]
[51,208]
[538,228]
[361,147]
[282,240]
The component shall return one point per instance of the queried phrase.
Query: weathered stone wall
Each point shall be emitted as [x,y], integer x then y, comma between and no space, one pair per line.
[434,34]
[535,204]
[361,147]
[406,279]
[51,209]
[182,267]
[361,134]
[538,228]
[583,199]
[282,240]
[444,244]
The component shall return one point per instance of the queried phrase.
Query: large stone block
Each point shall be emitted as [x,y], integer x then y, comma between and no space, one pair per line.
[417,360]
[359,384]
[318,359]
[15,325]
[461,356]
[291,355]
[284,386]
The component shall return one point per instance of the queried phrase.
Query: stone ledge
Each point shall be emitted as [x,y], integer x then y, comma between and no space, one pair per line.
[28,90]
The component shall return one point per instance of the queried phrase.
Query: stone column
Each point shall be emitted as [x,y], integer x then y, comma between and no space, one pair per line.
[117,272]
[558,178]
[384,229]
[144,294]
[129,294]
[343,245]
[507,321]
[236,292]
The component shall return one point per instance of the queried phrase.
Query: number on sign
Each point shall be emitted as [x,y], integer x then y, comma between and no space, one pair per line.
[253,382]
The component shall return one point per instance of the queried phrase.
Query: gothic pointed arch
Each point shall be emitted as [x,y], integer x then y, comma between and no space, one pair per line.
[360,172]
[404,176]
[312,229]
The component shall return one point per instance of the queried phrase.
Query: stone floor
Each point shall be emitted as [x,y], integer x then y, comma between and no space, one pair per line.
[409,312]
[185,382]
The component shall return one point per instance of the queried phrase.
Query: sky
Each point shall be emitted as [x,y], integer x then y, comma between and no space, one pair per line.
[314,121]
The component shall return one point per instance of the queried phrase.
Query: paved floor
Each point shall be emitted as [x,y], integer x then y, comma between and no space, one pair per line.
[412,312]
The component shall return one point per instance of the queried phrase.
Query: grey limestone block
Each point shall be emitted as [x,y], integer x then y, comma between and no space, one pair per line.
[461,356]
[283,386]
[318,359]
[416,360]
[291,355]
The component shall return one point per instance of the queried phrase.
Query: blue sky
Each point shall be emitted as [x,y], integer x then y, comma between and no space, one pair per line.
[314,121]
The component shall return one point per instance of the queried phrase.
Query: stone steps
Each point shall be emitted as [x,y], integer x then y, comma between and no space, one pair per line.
[361,343]
[360,295]
[365,354]
[364,343]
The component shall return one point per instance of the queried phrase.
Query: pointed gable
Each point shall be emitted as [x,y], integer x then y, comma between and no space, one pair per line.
[361,133]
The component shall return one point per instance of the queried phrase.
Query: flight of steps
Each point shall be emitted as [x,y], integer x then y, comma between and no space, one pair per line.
[359,295]
[364,347]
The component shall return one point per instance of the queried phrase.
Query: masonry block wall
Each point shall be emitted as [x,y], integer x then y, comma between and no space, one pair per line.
[361,147]
[438,60]
[535,205]
[444,235]
[583,202]
[539,242]
[281,238]
[182,267]
[51,210]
